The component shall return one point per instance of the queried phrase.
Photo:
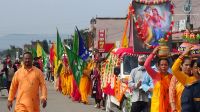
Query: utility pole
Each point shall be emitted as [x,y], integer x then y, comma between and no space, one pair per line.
[187,10]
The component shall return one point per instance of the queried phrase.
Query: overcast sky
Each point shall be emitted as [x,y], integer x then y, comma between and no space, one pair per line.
[43,16]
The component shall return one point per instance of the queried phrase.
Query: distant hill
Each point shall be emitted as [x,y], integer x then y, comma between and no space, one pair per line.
[20,39]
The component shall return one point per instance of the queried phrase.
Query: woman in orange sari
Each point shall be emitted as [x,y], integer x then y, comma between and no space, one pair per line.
[161,79]
[176,88]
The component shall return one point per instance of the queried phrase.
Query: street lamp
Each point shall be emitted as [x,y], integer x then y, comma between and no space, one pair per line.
[187,10]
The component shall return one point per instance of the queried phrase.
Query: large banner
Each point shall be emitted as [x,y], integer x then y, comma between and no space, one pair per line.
[151,23]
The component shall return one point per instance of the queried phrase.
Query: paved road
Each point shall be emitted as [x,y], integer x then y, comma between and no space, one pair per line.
[56,103]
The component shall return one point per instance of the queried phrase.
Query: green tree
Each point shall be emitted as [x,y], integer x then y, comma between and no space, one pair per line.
[85,36]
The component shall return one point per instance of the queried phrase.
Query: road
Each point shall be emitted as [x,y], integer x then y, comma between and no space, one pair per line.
[56,103]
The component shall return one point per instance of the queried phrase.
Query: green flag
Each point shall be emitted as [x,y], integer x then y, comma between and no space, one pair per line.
[77,65]
[34,52]
[60,48]
[75,43]
[44,57]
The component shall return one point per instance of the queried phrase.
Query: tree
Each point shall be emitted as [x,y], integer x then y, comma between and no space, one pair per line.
[11,51]
[85,36]
[68,42]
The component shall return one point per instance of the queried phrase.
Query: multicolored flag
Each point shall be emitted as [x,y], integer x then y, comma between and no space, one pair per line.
[77,65]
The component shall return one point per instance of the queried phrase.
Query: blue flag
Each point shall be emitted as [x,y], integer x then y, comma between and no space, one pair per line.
[83,52]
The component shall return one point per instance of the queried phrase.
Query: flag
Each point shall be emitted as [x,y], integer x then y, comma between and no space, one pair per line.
[45,59]
[42,53]
[60,48]
[52,54]
[75,43]
[125,40]
[34,52]
[83,52]
[76,64]
[125,43]
[39,50]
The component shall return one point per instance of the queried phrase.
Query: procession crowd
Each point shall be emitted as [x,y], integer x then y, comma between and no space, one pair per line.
[169,86]
[63,80]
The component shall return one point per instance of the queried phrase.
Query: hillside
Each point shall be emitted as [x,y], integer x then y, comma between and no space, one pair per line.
[20,39]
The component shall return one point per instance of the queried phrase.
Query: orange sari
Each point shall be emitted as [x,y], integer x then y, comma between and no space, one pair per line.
[160,98]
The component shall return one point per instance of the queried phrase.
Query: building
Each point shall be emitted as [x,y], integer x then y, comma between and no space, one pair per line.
[107,32]
[180,18]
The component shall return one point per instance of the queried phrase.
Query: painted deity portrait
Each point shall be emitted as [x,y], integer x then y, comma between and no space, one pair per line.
[154,20]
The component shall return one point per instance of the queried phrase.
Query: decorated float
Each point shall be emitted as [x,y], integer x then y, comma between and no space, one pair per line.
[149,24]
[115,75]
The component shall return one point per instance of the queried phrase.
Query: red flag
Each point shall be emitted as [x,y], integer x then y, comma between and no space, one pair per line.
[52,54]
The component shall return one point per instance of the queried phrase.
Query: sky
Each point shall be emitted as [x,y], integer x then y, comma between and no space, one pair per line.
[44,16]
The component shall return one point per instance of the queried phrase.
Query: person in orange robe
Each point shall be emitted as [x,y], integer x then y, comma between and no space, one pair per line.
[85,83]
[85,86]
[161,79]
[27,82]
[69,82]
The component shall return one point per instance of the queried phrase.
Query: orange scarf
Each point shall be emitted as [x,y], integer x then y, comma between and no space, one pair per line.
[164,93]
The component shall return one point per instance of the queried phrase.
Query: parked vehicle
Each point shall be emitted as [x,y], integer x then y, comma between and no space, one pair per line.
[115,75]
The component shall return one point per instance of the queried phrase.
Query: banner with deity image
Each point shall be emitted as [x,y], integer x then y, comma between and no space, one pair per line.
[151,22]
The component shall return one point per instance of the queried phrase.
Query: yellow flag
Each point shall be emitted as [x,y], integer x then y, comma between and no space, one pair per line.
[39,50]
[125,40]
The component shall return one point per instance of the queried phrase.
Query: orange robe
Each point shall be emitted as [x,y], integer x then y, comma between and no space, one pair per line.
[27,84]
[69,83]
[63,76]
[85,86]
[160,97]
[175,92]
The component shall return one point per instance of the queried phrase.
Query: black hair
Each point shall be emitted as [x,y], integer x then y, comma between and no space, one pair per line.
[8,55]
[29,53]
[185,58]
[160,59]
[35,58]
[174,57]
